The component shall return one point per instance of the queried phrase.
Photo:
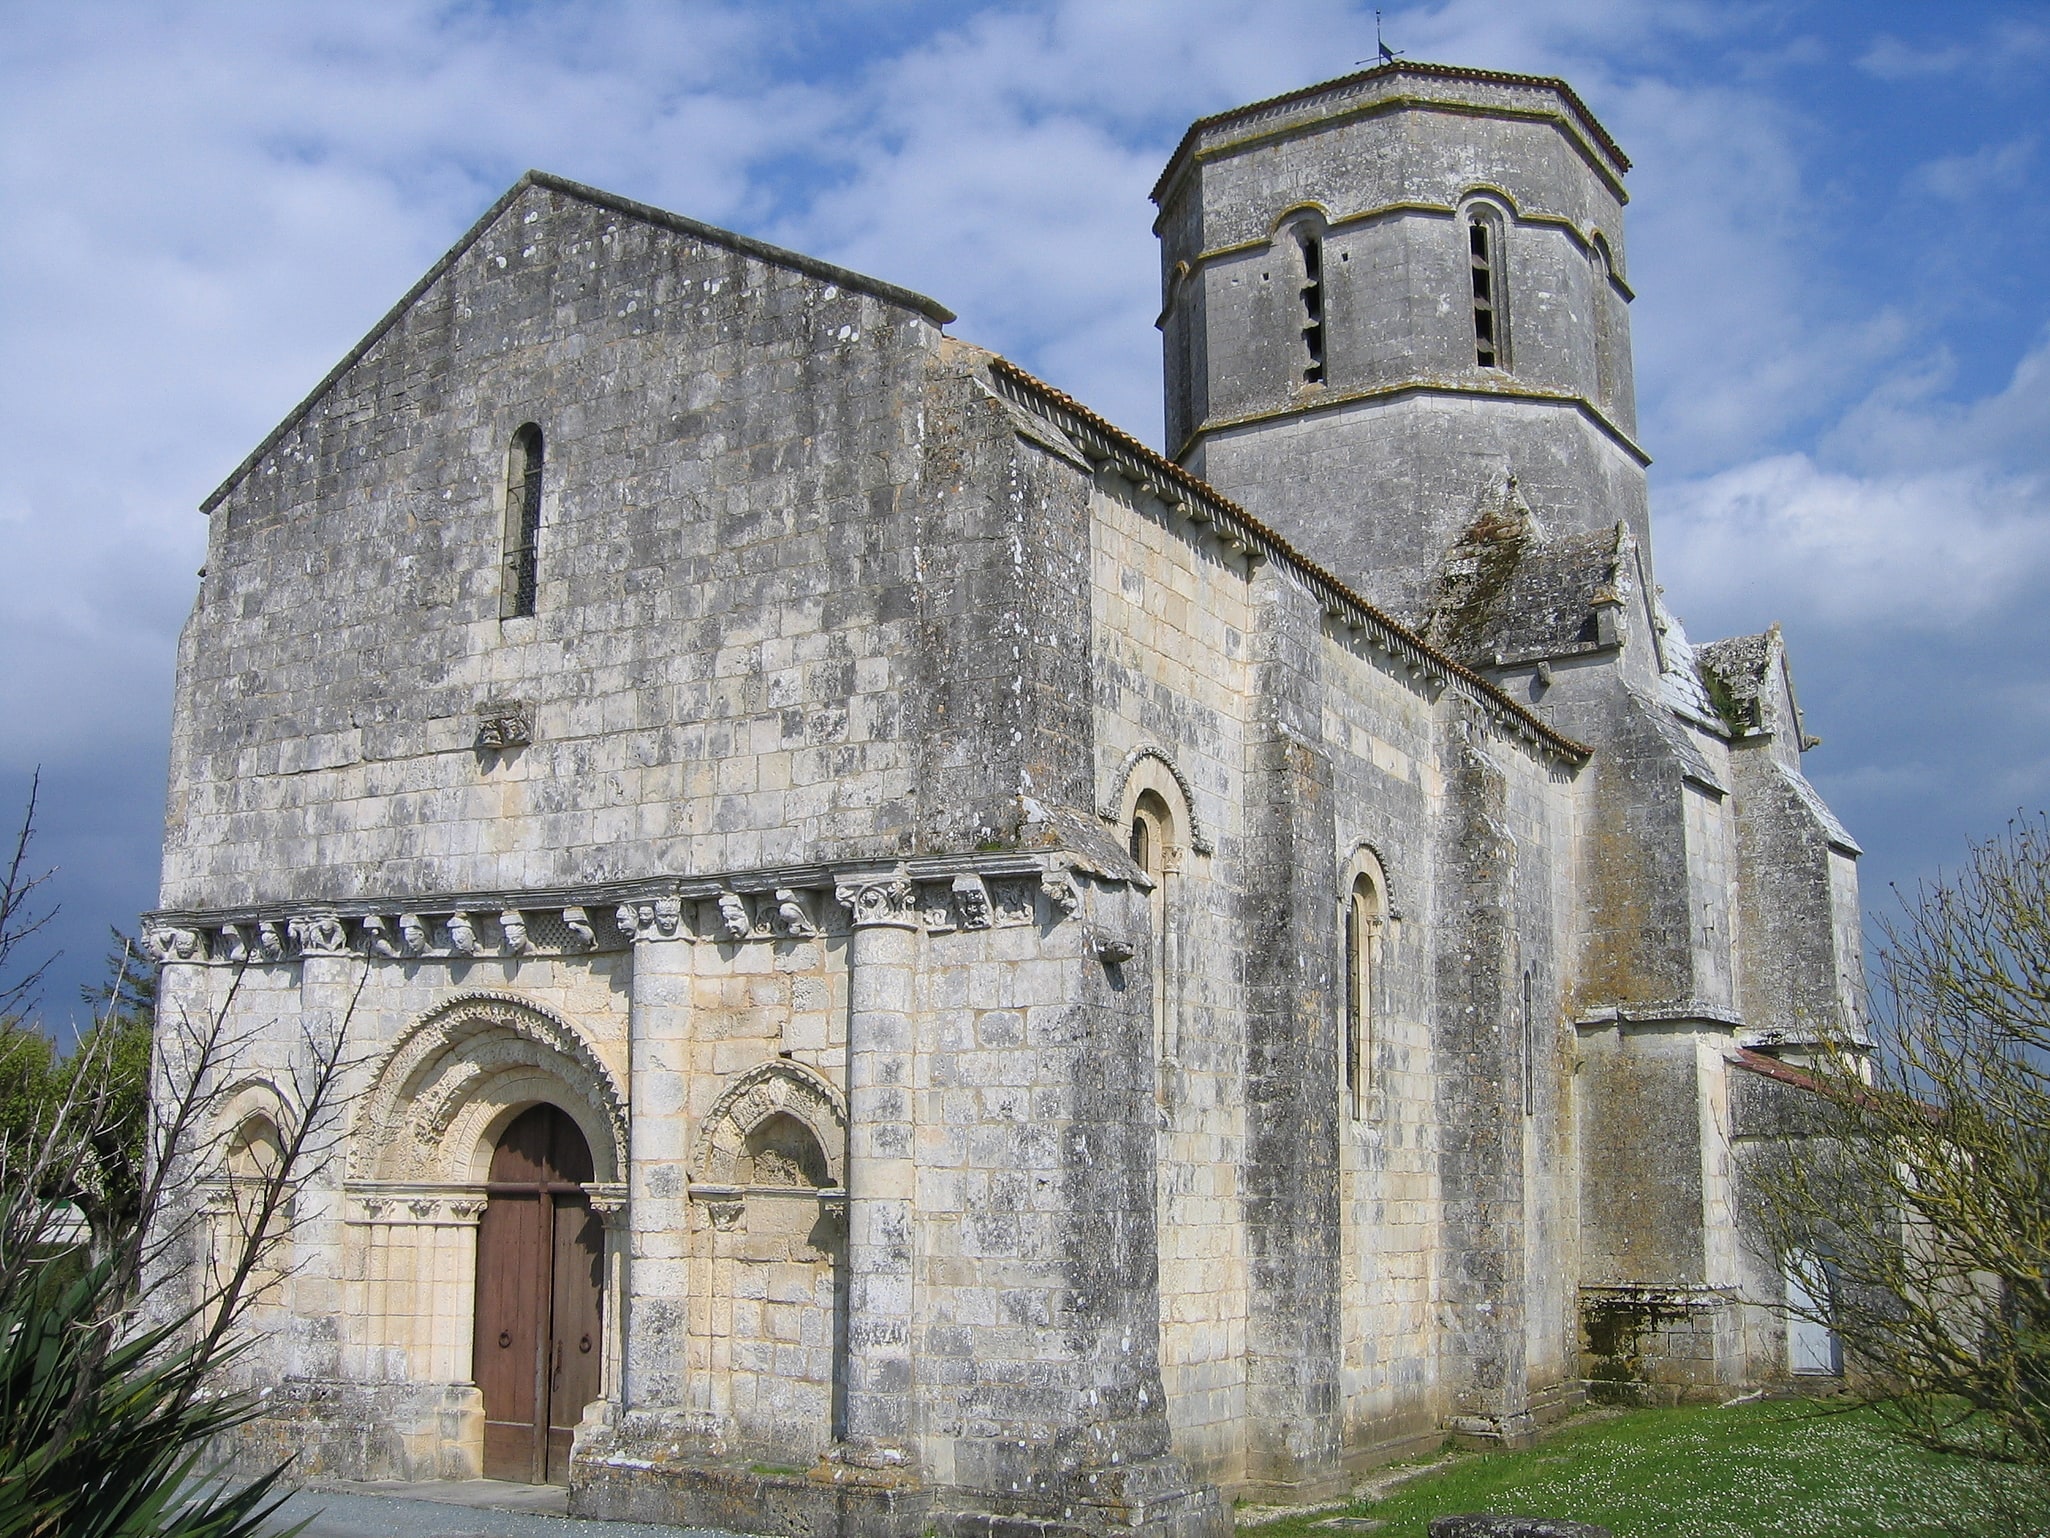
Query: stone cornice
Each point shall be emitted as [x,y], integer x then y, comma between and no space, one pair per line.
[941,893]
[1504,389]
[1259,121]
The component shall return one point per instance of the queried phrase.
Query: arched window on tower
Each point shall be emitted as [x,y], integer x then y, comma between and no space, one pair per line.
[1484,260]
[1604,324]
[519,580]
[1310,246]
[1362,942]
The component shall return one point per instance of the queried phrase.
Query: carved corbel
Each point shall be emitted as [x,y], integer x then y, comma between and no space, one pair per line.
[413,936]
[377,938]
[889,899]
[583,937]
[657,920]
[319,934]
[725,1212]
[462,934]
[513,925]
[971,901]
[269,942]
[734,921]
[166,942]
[1111,950]
[234,944]
[793,916]
[1061,891]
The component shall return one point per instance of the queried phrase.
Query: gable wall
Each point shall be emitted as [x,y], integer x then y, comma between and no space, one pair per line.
[725,608]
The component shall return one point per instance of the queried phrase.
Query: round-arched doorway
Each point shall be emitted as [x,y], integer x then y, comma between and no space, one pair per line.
[538,1351]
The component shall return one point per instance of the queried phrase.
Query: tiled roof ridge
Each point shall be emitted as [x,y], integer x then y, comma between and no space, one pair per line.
[646,213]
[1391,628]
[1838,1090]
[1417,67]
[1773,1068]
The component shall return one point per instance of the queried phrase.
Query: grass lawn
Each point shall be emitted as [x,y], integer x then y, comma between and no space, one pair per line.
[1779,1468]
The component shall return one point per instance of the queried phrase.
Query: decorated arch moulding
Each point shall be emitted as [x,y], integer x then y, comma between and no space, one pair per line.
[1141,771]
[237,1105]
[765,1090]
[1365,860]
[455,1078]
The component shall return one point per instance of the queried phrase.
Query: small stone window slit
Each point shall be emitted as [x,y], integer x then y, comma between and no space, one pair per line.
[1312,305]
[1481,253]
[519,580]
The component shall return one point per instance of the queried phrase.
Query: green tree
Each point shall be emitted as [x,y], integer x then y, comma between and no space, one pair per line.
[1921,1192]
[109,1395]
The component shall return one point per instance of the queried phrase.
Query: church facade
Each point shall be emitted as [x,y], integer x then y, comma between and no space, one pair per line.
[911,963]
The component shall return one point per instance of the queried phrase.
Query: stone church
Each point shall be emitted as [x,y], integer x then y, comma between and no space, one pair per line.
[912,964]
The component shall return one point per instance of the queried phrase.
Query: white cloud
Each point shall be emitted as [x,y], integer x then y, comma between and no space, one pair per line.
[1891,59]
[1915,510]
[1784,538]
[1984,173]
[2005,50]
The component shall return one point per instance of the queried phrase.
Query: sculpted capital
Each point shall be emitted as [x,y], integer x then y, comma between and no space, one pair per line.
[887,899]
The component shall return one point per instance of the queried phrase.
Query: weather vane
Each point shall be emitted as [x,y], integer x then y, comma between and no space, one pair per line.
[1388,55]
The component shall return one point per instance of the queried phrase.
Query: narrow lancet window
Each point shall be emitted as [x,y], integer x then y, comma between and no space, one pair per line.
[1151,847]
[1486,330]
[1362,928]
[519,582]
[1312,305]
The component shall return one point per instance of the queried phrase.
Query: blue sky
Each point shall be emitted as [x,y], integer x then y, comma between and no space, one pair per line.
[1839,238]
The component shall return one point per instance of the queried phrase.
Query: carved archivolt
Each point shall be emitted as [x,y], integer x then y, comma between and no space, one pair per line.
[1113,808]
[449,1084]
[768,1089]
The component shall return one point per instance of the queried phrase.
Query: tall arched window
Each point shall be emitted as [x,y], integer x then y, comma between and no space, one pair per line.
[1484,259]
[519,582]
[1152,840]
[1604,325]
[1362,940]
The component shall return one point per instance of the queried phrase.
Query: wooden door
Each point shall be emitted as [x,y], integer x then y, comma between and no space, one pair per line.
[540,1260]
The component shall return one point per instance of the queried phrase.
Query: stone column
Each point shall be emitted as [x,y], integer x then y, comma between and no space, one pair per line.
[648,1239]
[882,965]
[608,1201]
[328,975]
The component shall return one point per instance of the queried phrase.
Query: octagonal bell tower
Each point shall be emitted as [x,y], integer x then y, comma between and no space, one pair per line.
[1385,294]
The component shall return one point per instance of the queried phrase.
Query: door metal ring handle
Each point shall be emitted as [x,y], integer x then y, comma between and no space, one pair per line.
[586,1346]
[504,1338]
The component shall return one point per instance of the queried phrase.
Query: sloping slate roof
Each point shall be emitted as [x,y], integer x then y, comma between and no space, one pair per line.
[1810,797]
[1505,594]
[1680,685]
